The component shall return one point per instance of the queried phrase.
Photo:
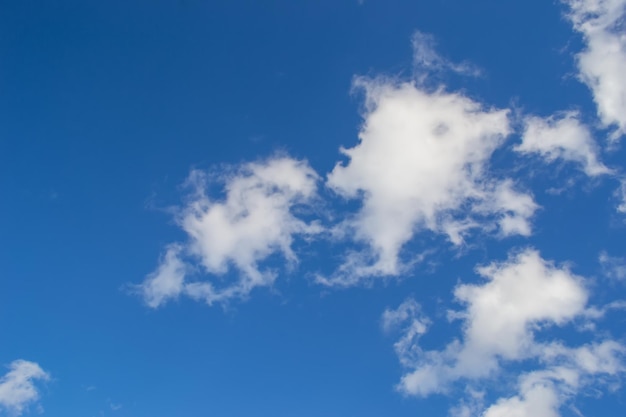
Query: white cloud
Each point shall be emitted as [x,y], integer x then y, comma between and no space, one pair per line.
[523,292]
[593,358]
[421,164]
[519,293]
[612,266]
[254,221]
[521,297]
[621,192]
[536,399]
[17,387]
[408,315]
[515,208]
[602,64]
[426,58]
[562,137]
[543,392]
[167,281]
[409,309]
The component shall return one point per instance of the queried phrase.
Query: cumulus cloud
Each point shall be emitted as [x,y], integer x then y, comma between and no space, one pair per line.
[18,388]
[421,164]
[602,64]
[562,137]
[255,220]
[499,320]
[538,397]
[521,298]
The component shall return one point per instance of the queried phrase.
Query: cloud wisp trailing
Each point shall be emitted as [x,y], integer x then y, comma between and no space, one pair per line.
[613,267]
[621,194]
[18,387]
[426,59]
[522,298]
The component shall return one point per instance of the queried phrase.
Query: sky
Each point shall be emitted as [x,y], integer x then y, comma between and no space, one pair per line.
[312,208]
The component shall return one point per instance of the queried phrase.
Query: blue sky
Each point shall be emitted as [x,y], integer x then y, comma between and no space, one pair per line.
[312,208]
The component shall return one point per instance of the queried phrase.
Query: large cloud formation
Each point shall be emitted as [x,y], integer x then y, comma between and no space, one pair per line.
[521,298]
[18,388]
[422,164]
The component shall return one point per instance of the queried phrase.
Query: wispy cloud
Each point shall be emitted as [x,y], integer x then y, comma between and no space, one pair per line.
[427,60]
[613,267]
[621,194]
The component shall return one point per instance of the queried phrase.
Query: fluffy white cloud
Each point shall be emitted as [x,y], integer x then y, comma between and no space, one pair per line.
[255,220]
[421,164]
[501,318]
[519,293]
[562,137]
[536,399]
[17,387]
[602,64]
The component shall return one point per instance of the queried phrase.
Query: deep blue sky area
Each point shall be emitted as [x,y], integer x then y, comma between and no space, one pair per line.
[106,107]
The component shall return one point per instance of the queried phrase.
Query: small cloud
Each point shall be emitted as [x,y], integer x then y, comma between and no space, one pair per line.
[621,194]
[562,136]
[613,267]
[427,60]
[256,219]
[18,389]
